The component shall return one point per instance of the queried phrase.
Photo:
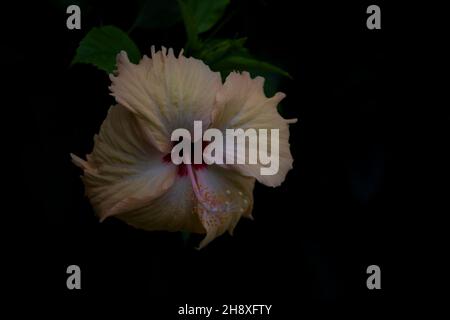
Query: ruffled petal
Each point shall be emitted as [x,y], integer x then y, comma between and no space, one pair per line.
[223,196]
[124,171]
[242,104]
[166,92]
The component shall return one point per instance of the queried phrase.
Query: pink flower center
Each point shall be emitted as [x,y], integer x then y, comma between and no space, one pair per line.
[182,169]
[189,170]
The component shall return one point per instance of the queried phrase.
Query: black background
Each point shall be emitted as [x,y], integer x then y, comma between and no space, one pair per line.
[348,203]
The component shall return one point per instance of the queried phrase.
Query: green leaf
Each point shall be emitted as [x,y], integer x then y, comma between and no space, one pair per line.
[190,25]
[101,45]
[247,63]
[206,13]
[215,50]
[157,14]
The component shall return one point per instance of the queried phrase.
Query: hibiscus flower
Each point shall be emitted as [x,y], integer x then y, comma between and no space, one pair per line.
[129,174]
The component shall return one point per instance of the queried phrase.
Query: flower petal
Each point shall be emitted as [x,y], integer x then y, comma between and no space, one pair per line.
[174,210]
[242,104]
[224,197]
[167,92]
[124,171]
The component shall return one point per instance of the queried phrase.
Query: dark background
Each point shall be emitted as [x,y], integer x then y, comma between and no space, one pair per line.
[347,204]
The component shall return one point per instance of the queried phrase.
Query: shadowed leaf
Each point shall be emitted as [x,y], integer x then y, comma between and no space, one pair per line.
[206,13]
[193,42]
[217,49]
[101,46]
[242,63]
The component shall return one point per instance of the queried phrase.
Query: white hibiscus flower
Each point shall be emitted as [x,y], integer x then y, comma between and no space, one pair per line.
[129,174]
